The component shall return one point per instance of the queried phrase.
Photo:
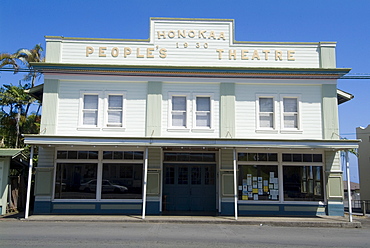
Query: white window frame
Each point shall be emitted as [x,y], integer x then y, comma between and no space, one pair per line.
[187,111]
[283,114]
[274,128]
[194,110]
[280,165]
[100,162]
[81,110]
[106,109]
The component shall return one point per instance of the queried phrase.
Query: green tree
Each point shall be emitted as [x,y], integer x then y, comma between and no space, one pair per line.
[28,57]
[24,57]
[15,119]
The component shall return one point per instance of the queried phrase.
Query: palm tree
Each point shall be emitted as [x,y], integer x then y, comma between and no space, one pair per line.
[9,59]
[14,98]
[26,57]
[30,56]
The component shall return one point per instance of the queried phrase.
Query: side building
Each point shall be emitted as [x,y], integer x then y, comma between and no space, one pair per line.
[364,161]
[189,120]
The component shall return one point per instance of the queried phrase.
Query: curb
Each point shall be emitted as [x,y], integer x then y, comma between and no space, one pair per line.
[130,219]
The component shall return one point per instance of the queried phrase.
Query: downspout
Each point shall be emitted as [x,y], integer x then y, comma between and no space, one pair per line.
[29,184]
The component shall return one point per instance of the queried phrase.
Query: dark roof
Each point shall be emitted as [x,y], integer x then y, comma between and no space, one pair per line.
[343,96]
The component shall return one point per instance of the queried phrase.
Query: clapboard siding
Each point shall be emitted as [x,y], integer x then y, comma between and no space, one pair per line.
[205,40]
[46,157]
[69,107]
[311,119]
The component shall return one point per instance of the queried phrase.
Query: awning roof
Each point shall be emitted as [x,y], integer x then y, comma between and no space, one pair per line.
[343,96]
[10,152]
[57,140]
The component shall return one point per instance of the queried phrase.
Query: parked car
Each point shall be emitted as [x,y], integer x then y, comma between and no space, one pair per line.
[107,186]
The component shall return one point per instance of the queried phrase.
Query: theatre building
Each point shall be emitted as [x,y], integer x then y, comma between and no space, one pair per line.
[189,120]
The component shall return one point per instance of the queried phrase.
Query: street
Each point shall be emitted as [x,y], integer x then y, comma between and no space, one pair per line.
[17,233]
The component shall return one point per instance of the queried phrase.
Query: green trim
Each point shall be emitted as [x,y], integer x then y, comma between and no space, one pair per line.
[95,39]
[330,112]
[154,109]
[227,110]
[9,152]
[49,67]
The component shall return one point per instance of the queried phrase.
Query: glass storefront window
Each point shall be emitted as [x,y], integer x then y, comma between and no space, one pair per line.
[259,182]
[122,181]
[257,156]
[189,157]
[76,181]
[303,183]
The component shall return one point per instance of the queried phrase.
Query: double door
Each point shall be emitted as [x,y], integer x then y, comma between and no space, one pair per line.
[189,187]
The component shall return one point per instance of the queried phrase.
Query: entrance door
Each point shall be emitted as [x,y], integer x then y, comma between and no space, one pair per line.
[189,187]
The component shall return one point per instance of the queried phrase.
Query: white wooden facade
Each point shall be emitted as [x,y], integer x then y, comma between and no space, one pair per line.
[194,62]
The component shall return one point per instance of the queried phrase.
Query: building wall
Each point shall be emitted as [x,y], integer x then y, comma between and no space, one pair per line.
[364,161]
[70,92]
[193,44]
[4,173]
[145,112]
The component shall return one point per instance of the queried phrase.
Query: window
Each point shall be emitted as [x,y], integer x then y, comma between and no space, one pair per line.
[259,182]
[178,111]
[303,183]
[90,110]
[122,181]
[266,112]
[77,174]
[115,110]
[76,180]
[203,112]
[302,180]
[102,110]
[290,119]
[190,111]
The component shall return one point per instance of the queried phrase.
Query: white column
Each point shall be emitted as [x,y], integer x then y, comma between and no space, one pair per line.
[235,187]
[29,185]
[349,188]
[145,182]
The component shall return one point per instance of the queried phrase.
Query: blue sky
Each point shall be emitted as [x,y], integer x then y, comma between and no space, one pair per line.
[24,23]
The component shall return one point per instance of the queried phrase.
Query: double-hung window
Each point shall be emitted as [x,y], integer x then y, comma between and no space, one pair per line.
[102,110]
[290,113]
[266,112]
[114,103]
[203,112]
[179,111]
[90,109]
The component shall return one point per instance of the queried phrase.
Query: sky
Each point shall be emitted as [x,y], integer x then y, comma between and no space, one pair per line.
[24,23]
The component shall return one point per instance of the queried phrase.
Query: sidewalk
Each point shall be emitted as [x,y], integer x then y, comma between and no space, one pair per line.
[318,221]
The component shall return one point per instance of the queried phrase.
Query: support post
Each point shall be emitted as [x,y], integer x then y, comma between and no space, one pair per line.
[145,182]
[29,184]
[364,208]
[235,187]
[349,188]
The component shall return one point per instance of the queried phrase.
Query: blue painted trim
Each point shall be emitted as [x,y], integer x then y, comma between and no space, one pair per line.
[42,207]
[48,207]
[227,208]
[281,210]
[169,69]
[153,207]
[335,210]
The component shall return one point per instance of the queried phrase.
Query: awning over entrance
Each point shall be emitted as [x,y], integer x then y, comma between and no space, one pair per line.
[58,140]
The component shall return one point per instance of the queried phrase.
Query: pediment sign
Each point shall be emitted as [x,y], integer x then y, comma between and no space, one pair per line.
[191,42]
